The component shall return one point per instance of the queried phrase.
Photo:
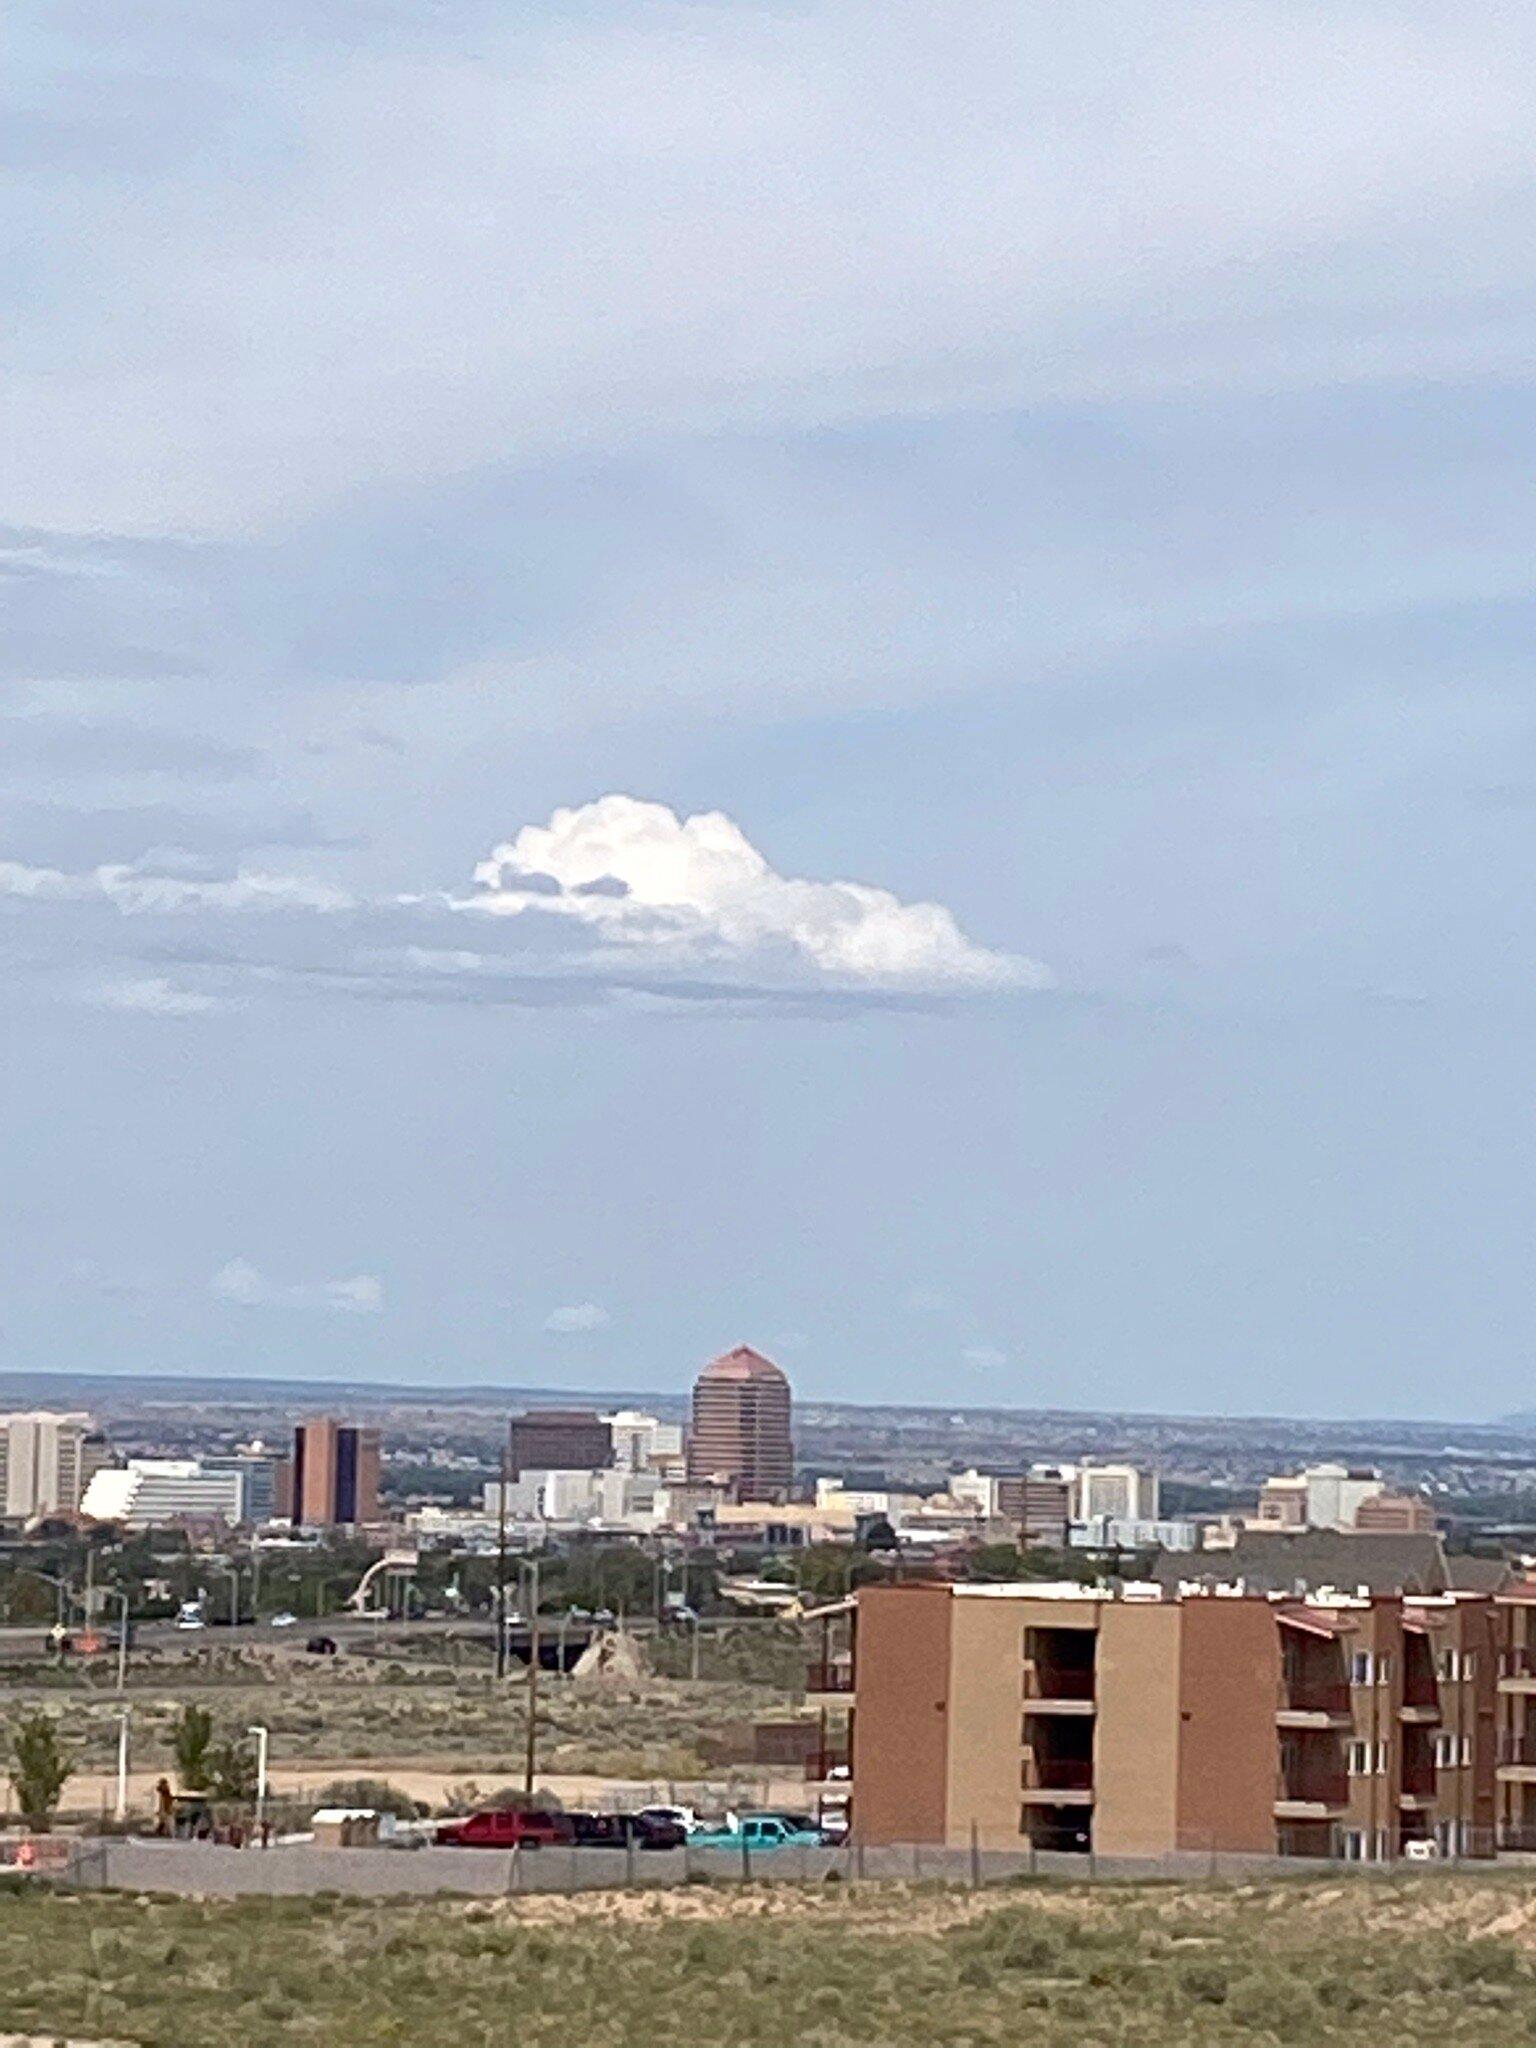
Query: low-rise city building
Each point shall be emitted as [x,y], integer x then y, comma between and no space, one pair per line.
[148,1493]
[1319,1497]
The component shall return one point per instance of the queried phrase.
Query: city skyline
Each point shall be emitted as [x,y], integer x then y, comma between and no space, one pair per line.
[772,675]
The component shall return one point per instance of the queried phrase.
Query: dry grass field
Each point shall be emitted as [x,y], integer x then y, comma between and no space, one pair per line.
[430,1720]
[1432,1958]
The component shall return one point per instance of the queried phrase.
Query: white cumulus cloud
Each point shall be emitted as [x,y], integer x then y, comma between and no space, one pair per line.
[617,900]
[577,1316]
[360,1294]
[696,888]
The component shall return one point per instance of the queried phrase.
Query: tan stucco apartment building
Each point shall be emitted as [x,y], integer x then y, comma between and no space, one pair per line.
[1015,1714]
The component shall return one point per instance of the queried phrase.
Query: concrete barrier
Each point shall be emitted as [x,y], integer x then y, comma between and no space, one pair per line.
[210,1870]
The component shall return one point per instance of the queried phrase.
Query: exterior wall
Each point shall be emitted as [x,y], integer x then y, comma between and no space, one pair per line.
[1047,1510]
[1466,1648]
[1396,1514]
[986,1710]
[42,1462]
[1229,1688]
[1136,1745]
[314,1465]
[901,1721]
[335,1474]
[559,1440]
[985,1721]
[367,1475]
[1375,1795]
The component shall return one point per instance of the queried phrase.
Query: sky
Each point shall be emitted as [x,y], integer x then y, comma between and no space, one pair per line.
[848,676]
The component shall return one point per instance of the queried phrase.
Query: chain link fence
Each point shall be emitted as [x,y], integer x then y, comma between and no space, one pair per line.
[208,1869]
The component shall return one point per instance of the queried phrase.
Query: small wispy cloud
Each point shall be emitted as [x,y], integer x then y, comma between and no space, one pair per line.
[577,1316]
[360,1294]
[156,997]
[985,1357]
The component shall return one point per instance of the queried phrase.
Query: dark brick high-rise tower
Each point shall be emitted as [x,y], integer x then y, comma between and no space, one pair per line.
[741,1427]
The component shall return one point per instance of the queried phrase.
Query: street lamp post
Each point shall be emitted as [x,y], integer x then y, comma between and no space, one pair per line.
[117,1593]
[232,1573]
[501,1555]
[124,1714]
[262,1735]
[530,1754]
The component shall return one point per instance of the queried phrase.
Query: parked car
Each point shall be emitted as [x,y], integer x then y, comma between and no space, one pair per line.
[504,1827]
[321,1646]
[283,1620]
[617,1830]
[682,1817]
[759,1831]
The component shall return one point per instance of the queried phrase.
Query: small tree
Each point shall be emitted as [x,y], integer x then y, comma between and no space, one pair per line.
[39,1769]
[232,1769]
[191,1742]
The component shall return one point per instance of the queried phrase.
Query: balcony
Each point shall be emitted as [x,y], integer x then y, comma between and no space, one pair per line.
[1311,1795]
[1316,1703]
[1059,1774]
[1420,1713]
[1517,1759]
[1059,1671]
[1517,1671]
[1058,1781]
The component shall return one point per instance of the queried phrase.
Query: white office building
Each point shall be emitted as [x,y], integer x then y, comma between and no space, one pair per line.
[149,1491]
[46,1462]
[1122,1493]
[643,1443]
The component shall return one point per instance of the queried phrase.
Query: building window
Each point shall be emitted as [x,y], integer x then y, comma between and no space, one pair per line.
[1382,1755]
[1359,1759]
[1466,1750]
[1354,1846]
[1384,1668]
[1360,1668]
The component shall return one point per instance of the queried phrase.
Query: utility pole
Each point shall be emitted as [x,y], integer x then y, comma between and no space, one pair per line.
[531,1753]
[501,1556]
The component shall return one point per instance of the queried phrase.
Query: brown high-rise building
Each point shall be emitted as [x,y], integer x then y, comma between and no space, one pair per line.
[559,1440]
[741,1427]
[333,1475]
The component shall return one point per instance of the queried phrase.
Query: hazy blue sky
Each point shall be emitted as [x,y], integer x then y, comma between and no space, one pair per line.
[856,676]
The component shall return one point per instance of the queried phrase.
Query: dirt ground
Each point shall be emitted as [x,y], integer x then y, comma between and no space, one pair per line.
[427,1725]
[91,1793]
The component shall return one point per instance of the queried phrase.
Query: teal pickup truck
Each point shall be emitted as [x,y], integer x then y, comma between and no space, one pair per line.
[758,1831]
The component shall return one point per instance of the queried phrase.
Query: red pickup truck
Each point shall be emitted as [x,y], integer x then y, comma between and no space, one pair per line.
[506,1828]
